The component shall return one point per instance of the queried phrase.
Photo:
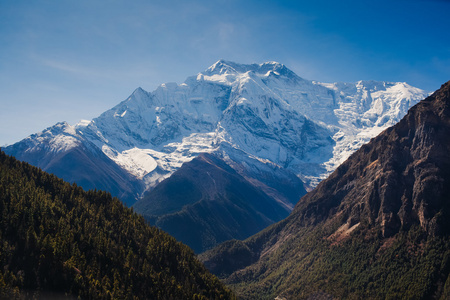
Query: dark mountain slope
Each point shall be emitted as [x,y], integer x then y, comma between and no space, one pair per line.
[207,202]
[400,178]
[377,228]
[81,162]
[56,239]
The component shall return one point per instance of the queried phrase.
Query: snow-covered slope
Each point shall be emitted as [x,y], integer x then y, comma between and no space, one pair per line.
[263,112]
[64,151]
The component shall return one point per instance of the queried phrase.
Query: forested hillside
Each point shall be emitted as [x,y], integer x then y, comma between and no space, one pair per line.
[55,237]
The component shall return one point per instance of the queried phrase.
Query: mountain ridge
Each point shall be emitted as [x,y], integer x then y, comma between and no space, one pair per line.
[150,135]
[58,241]
[377,227]
[206,202]
[403,147]
[265,122]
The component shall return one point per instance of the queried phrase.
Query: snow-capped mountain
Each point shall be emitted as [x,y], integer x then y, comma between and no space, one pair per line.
[256,117]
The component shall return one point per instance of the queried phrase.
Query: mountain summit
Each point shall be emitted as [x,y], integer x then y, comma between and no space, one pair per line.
[378,227]
[264,111]
[262,120]
[223,67]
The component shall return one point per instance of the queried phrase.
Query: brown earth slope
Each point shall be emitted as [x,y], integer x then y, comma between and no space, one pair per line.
[378,227]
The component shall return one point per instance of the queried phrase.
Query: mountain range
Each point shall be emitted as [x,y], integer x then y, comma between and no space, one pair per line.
[377,228]
[260,126]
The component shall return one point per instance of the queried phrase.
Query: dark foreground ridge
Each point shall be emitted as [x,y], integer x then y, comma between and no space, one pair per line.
[378,227]
[207,202]
[56,240]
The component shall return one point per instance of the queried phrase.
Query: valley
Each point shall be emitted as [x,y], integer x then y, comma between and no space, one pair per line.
[279,133]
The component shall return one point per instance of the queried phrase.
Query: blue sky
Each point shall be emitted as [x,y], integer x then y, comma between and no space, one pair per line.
[67,60]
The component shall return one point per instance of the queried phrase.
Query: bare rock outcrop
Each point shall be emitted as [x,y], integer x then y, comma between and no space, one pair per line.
[400,178]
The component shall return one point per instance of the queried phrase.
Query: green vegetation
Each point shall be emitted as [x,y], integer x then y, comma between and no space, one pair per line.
[56,237]
[411,265]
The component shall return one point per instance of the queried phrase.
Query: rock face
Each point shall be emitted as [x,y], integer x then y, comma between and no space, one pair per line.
[272,127]
[400,178]
[262,113]
[377,226]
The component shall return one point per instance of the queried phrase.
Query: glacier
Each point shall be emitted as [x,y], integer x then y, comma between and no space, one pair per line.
[257,117]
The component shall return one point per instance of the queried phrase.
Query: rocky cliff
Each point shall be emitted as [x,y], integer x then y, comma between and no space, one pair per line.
[376,228]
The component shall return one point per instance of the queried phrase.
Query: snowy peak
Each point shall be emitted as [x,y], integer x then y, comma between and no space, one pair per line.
[137,100]
[277,69]
[57,138]
[263,111]
[223,67]
[276,130]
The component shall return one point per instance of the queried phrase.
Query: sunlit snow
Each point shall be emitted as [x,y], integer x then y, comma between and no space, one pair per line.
[265,111]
